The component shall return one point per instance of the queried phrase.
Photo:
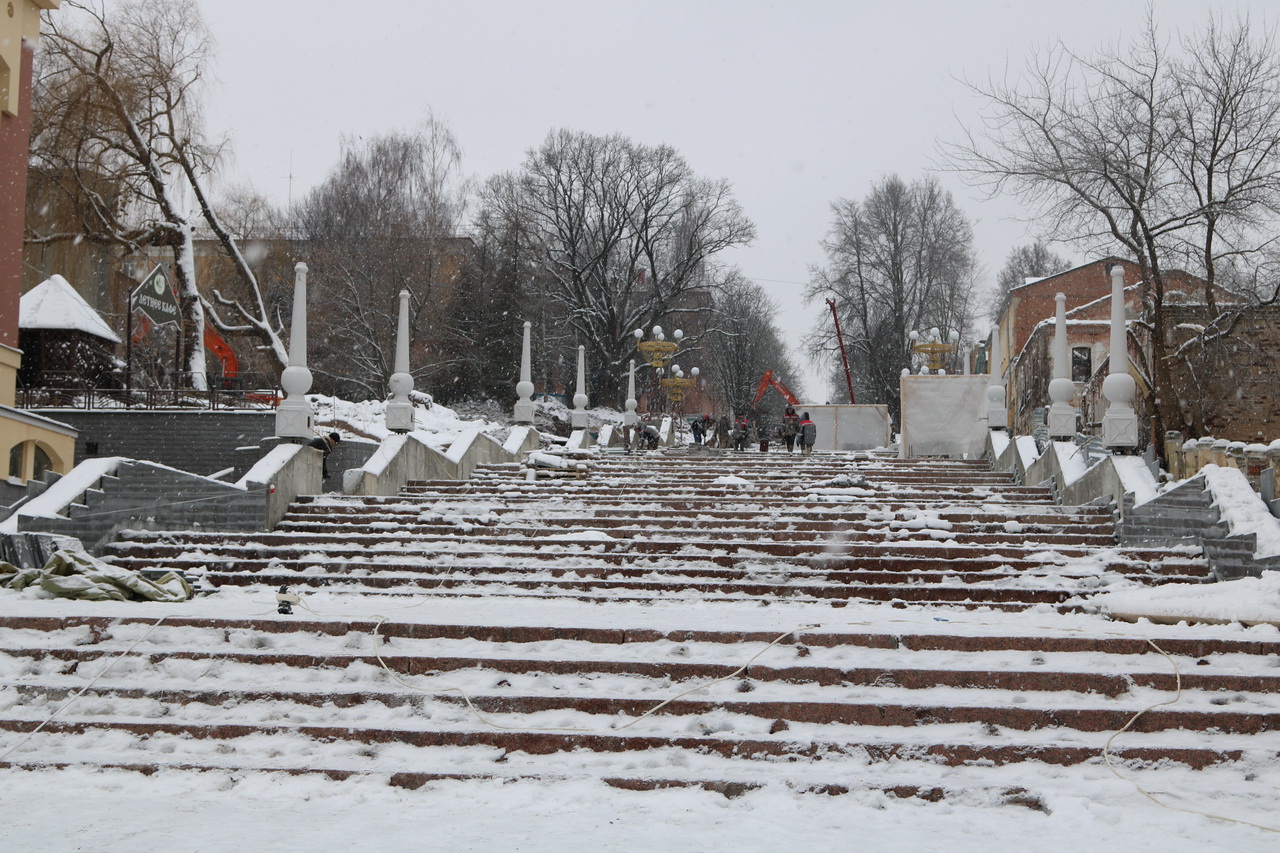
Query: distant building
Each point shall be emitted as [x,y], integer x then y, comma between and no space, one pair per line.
[1026,329]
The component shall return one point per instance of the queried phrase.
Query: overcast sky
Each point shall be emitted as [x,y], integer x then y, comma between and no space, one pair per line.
[796,103]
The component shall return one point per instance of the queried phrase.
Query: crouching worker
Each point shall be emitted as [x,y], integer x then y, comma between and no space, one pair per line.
[325,444]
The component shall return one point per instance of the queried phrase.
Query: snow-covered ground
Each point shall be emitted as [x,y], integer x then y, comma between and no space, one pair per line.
[1087,807]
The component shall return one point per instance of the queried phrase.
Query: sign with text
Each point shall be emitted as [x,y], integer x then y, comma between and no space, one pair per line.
[154,298]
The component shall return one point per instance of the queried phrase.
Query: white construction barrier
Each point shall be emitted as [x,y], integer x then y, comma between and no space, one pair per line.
[849,427]
[944,416]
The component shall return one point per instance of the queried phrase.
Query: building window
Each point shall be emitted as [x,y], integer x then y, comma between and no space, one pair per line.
[1081,364]
[15,462]
[42,463]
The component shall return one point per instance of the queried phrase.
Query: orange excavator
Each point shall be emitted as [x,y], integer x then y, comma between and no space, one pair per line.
[770,381]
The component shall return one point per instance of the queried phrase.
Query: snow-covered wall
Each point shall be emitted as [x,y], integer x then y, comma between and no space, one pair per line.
[474,448]
[288,470]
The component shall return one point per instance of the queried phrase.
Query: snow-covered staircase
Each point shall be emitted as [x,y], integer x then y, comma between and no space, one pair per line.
[831,624]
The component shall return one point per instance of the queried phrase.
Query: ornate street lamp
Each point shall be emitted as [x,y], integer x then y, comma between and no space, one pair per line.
[659,350]
[677,385]
[930,345]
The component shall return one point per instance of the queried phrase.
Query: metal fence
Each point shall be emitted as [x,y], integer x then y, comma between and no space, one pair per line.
[222,394]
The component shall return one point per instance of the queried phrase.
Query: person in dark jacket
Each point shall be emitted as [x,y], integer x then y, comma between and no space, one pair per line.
[790,427]
[808,434]
[740,434]
[325,444]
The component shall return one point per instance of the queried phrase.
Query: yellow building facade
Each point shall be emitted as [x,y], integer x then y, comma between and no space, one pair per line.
[33,444]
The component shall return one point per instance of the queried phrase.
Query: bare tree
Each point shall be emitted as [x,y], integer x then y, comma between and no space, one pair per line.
[118,135]
[129,83]
[901,259]
[1170,153]
[385,220]
[1032,261]
[624,234]
[743,343]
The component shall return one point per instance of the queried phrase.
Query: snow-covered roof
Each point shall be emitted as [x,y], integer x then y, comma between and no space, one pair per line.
[54,304]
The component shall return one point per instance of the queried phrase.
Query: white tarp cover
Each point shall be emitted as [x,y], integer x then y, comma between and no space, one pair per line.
[849,427]
[944,415]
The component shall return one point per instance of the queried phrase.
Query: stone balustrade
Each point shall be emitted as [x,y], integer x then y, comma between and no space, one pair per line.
[1186,457]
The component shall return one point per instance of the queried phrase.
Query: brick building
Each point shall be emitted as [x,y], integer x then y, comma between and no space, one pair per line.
[1026,329]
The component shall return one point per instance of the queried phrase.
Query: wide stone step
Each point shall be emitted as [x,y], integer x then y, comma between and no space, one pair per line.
[281,741]
[808,534]
[379,509]
[1043,679]
[605,590]
[284,546]
[730,788]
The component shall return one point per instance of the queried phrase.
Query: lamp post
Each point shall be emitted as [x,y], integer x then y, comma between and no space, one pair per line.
[930,345]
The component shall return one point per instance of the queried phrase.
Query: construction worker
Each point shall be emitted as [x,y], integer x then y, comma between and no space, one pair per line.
[808,434]
[790,427]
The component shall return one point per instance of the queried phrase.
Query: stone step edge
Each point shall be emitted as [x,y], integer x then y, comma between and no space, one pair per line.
[1034,681]
[905,640]
[546,743]
[731,789]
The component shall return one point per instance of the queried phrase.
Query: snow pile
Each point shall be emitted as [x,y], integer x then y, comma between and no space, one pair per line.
[586,536]
[1249,601]
[731,480]
[1242,509]
[368,419]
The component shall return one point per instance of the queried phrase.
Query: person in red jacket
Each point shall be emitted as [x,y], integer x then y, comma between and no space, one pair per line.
[808,434]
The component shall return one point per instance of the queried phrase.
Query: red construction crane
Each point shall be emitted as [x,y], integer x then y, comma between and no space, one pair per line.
[770,381]
[840,340]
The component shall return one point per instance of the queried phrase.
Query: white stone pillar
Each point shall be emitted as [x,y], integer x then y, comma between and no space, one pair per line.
[399,412]
[294,417]
[997,409]
[629,416]
[1062,416]
[524,388]
[1120,423]
[578,417]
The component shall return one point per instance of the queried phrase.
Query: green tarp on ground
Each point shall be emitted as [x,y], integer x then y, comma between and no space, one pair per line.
[75,574]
